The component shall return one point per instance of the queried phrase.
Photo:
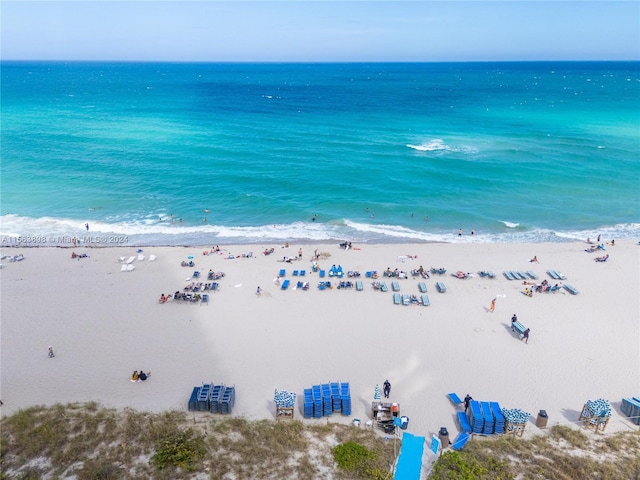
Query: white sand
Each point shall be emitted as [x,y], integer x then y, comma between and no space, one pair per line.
[104,323]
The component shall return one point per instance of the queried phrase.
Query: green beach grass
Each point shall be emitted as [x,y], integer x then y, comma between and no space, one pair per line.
[89,442]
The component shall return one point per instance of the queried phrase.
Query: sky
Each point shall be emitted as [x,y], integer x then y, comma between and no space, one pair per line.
[320,31]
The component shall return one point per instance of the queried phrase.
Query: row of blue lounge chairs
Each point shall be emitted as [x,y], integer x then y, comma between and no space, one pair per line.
[201,287]
[519,275]
[411,300]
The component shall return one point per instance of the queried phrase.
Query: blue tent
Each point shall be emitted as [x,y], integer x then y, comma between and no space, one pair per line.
[410,459]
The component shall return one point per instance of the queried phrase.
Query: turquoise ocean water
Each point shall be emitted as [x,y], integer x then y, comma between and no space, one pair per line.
[514,151]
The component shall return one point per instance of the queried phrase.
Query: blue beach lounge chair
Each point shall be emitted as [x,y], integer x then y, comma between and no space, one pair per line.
[465,426]
[460,441]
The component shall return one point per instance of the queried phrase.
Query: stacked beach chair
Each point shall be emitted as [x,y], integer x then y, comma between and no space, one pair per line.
[485,418]
[193,400]
[212,398]
[204,398]
[325,399]
[227,400]
[307,411]
[476,418]
[317,401]
[345,396]
[488,419]
[631,408]
[499,421]
[215,398]
[336,397]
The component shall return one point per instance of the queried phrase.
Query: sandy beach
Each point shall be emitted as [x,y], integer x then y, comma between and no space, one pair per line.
[104,323]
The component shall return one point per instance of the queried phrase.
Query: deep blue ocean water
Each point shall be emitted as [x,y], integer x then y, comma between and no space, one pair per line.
[514,151]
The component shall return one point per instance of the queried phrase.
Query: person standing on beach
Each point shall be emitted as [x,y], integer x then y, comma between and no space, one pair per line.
[258,291]
[493,305]
[467,401]
[525,335]
[386,388]
[51,354]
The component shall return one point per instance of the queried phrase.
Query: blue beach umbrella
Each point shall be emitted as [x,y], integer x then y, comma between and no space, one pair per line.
[376,393]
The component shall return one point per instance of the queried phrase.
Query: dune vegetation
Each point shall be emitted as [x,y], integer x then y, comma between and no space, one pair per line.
[89,442]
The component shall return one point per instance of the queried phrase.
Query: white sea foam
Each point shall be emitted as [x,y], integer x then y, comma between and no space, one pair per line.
[510,224]
[432,146]
[438,145]
[25,231]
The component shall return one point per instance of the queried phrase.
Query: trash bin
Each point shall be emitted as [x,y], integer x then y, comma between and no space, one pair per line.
[404,423]
[444,437]
[541,421]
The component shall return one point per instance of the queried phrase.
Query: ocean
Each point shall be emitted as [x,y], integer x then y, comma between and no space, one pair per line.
[205,154]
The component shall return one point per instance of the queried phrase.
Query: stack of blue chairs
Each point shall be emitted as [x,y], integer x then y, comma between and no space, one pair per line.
[308,403]
[326,400]
[215,398]
[317,401]
[203,401]
[345,396]
[335,396]
[193,400]
[487,415]
[477,419]
[227,400]
[212,398]
[498,418]
[631,408]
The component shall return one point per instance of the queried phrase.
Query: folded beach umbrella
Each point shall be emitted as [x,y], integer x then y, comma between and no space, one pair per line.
[376,393]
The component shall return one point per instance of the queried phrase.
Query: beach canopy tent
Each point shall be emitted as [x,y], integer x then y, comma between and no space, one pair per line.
[410,459]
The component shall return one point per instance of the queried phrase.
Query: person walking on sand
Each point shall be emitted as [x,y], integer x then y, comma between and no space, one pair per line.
[258,291]
[525,335]
[51,354]
[493,305]
[386,388]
